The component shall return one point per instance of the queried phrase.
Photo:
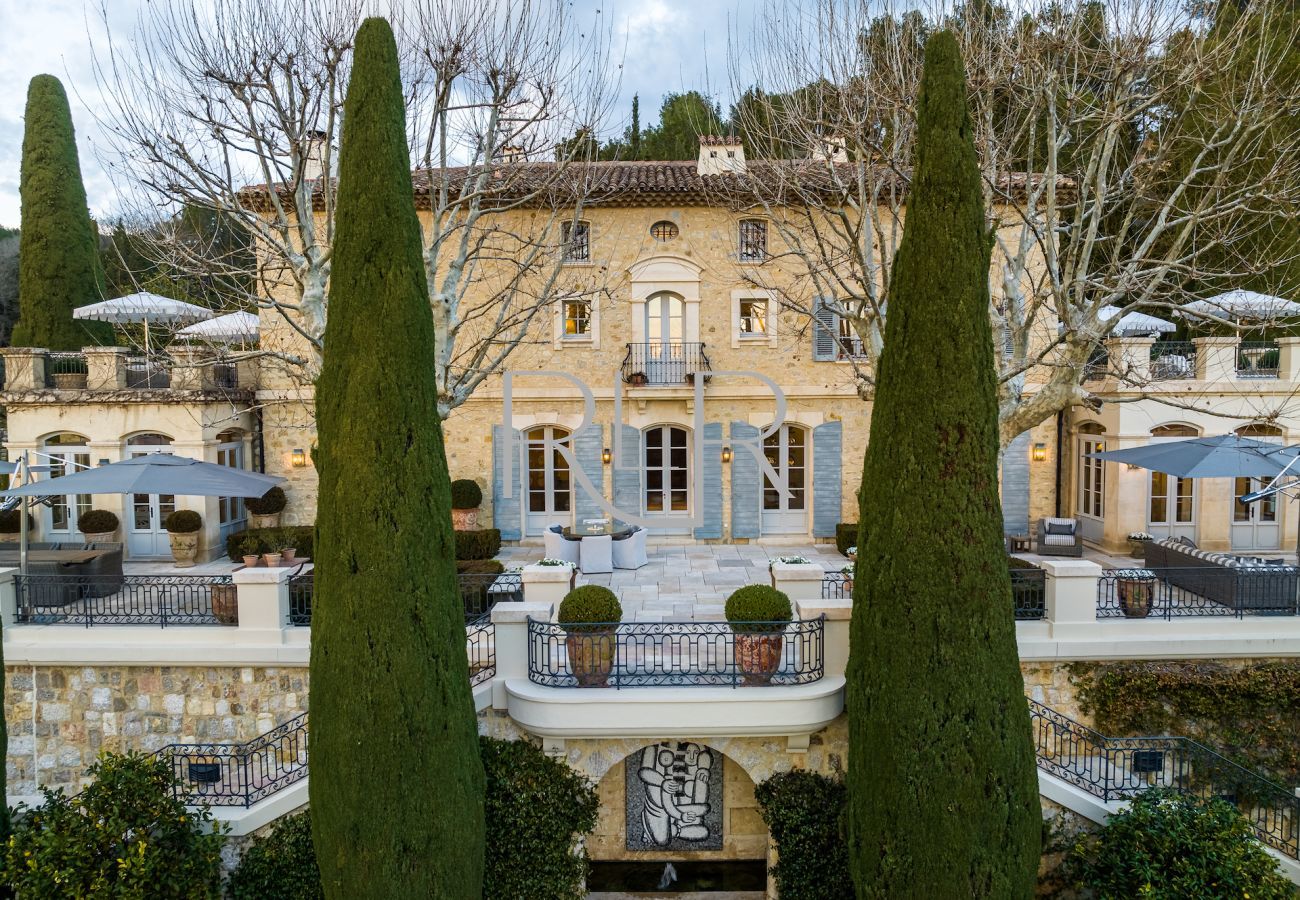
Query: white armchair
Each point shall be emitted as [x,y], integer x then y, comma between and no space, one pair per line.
[629,553]
[595,555]
[558,546]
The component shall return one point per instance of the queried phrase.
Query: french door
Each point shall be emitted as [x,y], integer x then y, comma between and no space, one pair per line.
[667,473]
[664,331]
[550,488]
[230,510]
[60,516]
[1171,512]
[146,533]
[1255,526]
[787,453]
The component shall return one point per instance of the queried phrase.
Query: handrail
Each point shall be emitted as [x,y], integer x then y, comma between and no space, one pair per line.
[240,774]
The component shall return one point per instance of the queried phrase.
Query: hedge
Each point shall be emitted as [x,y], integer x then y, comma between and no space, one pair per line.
[804,813]
[846,536]
[280,865]
[271,540]
[484,543]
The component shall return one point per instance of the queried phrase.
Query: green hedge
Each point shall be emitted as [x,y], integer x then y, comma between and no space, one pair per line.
[590,603]
[479,567]
[466,494]
[271,540]
[804,813]
[484,543]
[846,536]
[280,865]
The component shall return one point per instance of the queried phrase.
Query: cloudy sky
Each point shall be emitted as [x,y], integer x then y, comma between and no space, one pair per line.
[666,45]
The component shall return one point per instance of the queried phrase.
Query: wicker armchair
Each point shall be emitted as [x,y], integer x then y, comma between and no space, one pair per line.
[1059,537]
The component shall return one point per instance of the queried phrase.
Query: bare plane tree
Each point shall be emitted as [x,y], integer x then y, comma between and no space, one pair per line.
[1128,149]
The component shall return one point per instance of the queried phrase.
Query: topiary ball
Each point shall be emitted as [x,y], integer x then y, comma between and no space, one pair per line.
[97,521]
[758,603]
[270,503]
[11,521]
[466,494]
[590,603]
[183,521]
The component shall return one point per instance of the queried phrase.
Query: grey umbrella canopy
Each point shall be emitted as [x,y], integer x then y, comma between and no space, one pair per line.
[156,473]
[1221,456]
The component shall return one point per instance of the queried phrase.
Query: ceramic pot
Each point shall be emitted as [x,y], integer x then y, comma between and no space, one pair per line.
[185,548]
[287,555]
[591,656]
[225,604]
[758,655]
[272,560]
[97,537]
[1135,596]
[464,519]
[251,560]
[271,521]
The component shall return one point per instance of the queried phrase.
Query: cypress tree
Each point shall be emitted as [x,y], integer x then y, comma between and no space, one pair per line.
[397,786]
[59,245]
[634,132]
[943,797]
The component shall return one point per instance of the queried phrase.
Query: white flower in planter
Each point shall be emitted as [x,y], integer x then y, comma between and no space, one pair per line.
[551,561]
[846,570]
[791,561]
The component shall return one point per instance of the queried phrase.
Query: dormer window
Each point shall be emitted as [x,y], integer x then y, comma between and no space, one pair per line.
[575,238]
[753,240]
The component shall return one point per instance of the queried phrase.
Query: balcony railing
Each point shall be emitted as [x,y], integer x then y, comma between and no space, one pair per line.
[240,774]
[144,373]
[1168,593]
[160,600]
[1119,768]
[66,371]
[837,586]
[664,363]
[225,376]
[673,654]
[1173,361]
[1029,593]
[1258,359]
[481,648]
[478,594]
[302,587]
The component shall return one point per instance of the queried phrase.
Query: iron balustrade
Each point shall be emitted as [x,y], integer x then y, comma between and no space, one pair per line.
[1028,593]
[1191,591]
[837,586]
[66,369]
[1173,361]
[478,594]
[88,600]
[225,376]
[664,363]
[1258,359]
[481,648]
[302,587]
[239,774]
[674,654]
[1114,768]
[144,373]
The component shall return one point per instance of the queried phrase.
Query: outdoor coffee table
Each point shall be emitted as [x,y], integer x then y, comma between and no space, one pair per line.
[578,532]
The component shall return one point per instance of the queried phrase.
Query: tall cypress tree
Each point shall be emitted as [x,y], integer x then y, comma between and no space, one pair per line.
[59,247]
[397,787]
[634,133]
[942,786]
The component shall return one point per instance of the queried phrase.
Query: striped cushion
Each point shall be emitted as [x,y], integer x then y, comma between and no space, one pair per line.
[1058,540]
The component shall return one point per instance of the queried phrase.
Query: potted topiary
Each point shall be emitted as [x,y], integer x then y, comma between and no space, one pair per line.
[264,511]
[589,616]
[758,615]
[466,497]
[183,527]
[11,525]
[97,525]
[1137,542]
[847,572]
[225,603]
[1136,589]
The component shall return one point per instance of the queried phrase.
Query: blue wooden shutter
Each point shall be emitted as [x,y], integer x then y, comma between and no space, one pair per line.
[828,477]
[746,484]
[507,512]
[1015,486]
[825,332]
[627,482]
[712,480]
[587,447]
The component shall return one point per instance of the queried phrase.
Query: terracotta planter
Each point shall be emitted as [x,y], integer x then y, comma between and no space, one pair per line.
[1135,596]
[758,655]
[638,379]
[591,656]
[225,604]
[1135,549]
[271,521]
[287,555]
[464,519]
[185,548]
[272,560]
[70,381]
[251,560]
[97,537]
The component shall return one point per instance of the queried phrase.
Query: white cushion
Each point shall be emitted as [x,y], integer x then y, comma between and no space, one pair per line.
[1058,540]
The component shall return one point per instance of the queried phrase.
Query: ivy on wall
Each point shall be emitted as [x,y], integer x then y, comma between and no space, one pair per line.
[805,813]
[1250,713]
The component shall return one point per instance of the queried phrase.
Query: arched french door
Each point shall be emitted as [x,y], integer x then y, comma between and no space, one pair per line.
[1171,506]
[230,510]
[786,450]
[65,454]
[146,534]
[1090,506]
[667,474]
[550,488]
[1256,526]
[665,329]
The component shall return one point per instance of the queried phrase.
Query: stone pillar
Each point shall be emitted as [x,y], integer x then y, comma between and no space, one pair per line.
[545,584]
[1288,364]
[798,581]
[24,368]
[1071,591]
[191,367]
[247,369]
[106,368]
[510,622]
[1216,358]
[263,603]
[8,599]
[835,644]
[1130,358]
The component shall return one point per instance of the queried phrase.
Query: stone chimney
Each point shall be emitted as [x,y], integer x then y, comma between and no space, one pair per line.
[720,155]
[317,145]
[829,148]
[512,153]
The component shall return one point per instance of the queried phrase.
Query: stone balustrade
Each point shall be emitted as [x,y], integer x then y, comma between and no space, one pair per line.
[186,368]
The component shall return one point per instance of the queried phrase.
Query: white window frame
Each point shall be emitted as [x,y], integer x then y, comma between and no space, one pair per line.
[1092,491]
[588,341]
[739,337]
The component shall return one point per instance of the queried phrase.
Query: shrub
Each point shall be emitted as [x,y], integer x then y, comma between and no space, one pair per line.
[256,541]
[758,603]
[124,836]
[270,503]
[97,521]
[483,543]
[466,494]
[479,567]
[590,603]
[537,807]
[10,523]
[804,813]
[846,536]
[1167,846]
[183,521]
[280,865]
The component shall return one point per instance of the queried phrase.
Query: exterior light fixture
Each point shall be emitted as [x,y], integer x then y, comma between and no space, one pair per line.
[606,456]
[1039,453]
[726,454]
[1131,467]
[299,457]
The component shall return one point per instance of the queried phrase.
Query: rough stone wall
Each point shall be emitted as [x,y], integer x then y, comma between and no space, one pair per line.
[288,424]
[61,717]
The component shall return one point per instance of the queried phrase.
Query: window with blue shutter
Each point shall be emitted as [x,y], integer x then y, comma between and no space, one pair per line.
[1015,486]
[828,478]
[746,485]
[712,482]
[587,446]
[825,332]
[507,512]
[627,481]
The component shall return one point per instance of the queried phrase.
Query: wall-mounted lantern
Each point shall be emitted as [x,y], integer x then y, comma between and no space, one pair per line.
[299,457]
[606,456]
[1039,453]
[726,454]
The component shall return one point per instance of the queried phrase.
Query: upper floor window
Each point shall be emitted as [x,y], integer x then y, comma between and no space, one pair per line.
[577,318]
[753,240]
[663,231]
[753,317]
[576,240]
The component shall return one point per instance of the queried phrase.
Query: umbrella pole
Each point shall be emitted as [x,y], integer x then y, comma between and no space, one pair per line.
[22,517]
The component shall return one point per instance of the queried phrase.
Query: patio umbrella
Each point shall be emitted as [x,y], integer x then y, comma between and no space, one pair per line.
[232,328]
[143,307]
[1245,305]
[1135,322]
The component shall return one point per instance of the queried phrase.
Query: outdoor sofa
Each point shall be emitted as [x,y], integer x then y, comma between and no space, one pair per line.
[1237,584]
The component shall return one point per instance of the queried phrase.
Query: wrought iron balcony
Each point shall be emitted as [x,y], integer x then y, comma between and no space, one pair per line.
[672,363]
